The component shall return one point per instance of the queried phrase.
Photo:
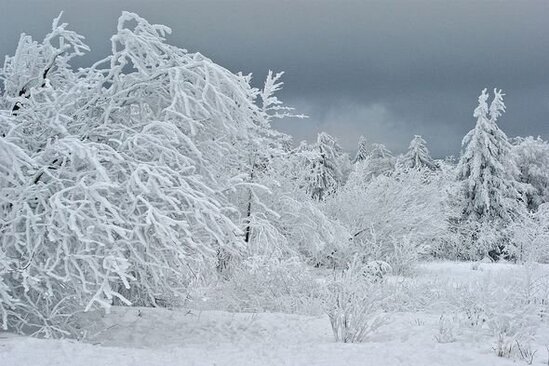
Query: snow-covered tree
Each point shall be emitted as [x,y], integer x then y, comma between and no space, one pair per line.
[488,179]
[379,161]
[531,155]
[417,156]
[325,175]
[362,150]
[118,180]
[305,230]
[489,189]
[264,146]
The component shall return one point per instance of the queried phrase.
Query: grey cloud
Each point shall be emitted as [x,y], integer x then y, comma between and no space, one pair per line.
[423,62]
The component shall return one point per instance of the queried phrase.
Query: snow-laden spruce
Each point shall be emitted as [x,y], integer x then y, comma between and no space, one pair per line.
[417,156]
[485,167]
[491,196]
[325,175]
[362,150]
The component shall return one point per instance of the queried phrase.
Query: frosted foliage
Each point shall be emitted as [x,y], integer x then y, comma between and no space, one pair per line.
[418,156]
[154,175]
[379,161]
[489,186]
[297,226]
[257,195]
[392,218]
[530,236]
[270,104]
[33,61]
[117,178]
[531,155]
[311,233]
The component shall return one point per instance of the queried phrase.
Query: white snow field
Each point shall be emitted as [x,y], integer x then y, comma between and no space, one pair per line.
[437,334]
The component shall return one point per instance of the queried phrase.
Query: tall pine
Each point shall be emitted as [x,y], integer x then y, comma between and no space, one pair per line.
[489,186]
[491,195]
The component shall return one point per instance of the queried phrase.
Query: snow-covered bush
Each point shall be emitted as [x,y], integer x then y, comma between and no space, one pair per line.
[354,304]
[508,308]
[446,330]
[526,352]
[117,179]
[376,270]
[319,240]
[530,236]
[394,218]
[262,283]
[304,229]
[531,156]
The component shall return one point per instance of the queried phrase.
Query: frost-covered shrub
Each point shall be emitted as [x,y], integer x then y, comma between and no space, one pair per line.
[526,352]
[530,236]
[116,179]
[531,156]
[400,254]
[509,345]
[304,229]
[74,242]
[483,240]
[376,270]
[354,304]
[393,218]
[509,308]
[446,329]
[263,283]
[319,240]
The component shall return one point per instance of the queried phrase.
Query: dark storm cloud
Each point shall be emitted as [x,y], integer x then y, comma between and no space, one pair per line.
[387,70]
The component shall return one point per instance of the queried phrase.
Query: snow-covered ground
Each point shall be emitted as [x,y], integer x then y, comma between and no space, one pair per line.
[144,336]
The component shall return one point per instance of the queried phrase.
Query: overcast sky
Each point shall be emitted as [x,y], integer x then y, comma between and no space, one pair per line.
[386,69]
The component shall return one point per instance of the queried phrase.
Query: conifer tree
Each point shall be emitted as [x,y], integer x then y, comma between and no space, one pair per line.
[362,151]
[491,195]
[325,175]
[380,161]
[489,184]
[418,156]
